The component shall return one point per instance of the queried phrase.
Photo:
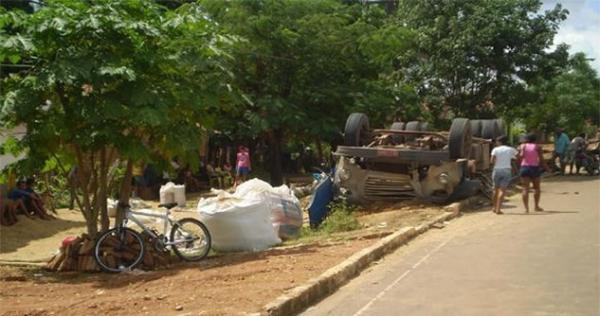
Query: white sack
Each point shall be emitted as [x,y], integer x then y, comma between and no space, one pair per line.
[179,195]
[286,214]
[166,193]
[237,224]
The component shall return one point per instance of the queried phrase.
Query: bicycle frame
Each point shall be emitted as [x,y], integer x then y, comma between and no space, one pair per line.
[167,222]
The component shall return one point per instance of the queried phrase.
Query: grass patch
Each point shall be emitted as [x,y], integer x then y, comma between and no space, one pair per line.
[341,219]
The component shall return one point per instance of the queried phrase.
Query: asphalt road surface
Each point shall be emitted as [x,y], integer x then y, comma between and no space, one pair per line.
[543,263]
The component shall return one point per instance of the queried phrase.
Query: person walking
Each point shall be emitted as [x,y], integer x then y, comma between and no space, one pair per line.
[502,158]
[242,166]
[532,162]
[561,146]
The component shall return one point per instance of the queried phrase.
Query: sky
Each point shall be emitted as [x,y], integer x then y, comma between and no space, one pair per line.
[581,30]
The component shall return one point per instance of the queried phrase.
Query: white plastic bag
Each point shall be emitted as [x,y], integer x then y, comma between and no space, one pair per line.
[255,217]
[252,187]
[286,214]
[166,193]
[238,224]
[179,195]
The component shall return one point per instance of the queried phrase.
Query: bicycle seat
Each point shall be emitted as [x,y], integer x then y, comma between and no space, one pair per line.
[168,206]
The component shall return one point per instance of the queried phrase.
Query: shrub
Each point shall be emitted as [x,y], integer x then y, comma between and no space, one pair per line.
[340,219]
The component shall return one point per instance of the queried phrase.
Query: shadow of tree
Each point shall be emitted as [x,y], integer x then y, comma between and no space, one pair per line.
[27,230]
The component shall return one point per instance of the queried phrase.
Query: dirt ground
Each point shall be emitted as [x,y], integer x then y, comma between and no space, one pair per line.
[224,284]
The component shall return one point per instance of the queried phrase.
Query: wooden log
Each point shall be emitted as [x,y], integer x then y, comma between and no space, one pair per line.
[148,260]
[55,262]
[67,263]
[87,247]
[110,261]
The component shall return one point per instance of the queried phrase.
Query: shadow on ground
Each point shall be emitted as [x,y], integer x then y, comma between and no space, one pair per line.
[28,230]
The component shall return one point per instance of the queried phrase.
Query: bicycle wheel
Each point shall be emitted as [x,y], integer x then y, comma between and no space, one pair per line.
[190,239]
[119,249]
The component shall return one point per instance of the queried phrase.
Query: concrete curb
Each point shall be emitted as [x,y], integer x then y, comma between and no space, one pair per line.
[299,298]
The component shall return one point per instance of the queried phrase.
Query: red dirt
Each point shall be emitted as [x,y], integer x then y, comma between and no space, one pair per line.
[222,285]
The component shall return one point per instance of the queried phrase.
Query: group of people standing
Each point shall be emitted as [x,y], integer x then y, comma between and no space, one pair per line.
[567,151]
[528,163]
[531,165]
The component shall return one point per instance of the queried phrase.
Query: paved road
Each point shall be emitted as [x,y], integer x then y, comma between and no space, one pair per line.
[484,264]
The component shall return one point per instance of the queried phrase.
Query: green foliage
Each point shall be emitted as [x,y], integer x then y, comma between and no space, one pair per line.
[571,99]
[341,218]
[113,72]
[304,65]
[473,58]
[110,80]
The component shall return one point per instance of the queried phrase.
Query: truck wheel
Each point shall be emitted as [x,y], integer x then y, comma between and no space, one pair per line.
[459,141]
[489,129]
[414,126]
[398,126]
[476,128]
[501,127]
[356,132]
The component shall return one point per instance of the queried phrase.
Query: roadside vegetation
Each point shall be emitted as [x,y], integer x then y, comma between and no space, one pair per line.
[102,85]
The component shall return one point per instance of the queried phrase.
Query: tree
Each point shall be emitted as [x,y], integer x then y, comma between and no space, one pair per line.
[304,65]
[568,100]
[109,82]
[473,56]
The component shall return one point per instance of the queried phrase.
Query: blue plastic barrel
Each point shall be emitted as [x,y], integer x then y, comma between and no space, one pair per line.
[318,208]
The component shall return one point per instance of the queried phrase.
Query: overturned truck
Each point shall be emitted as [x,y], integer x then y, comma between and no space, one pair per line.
[409,161]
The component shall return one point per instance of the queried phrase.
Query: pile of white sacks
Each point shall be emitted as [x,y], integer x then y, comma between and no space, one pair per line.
[255,217]
[172,193]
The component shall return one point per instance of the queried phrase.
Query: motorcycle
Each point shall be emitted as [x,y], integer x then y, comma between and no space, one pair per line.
[589,161]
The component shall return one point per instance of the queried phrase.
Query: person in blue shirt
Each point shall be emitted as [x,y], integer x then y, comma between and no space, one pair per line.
[561,146]
[33,203]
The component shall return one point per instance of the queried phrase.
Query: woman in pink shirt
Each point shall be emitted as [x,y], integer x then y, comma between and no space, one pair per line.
[242,165]
[532,167]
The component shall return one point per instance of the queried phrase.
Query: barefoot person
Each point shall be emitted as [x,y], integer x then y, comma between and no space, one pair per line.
[502,157]
[530,155]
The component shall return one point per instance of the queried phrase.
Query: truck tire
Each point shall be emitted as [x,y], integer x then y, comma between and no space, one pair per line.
[459,140]
[398,126]
[489,129]
[414,126]
[501,127]
[356,132]
[476,128]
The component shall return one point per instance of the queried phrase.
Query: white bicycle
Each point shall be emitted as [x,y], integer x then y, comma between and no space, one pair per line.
[122,248]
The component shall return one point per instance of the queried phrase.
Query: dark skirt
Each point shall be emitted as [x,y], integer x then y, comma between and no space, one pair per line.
[530,172]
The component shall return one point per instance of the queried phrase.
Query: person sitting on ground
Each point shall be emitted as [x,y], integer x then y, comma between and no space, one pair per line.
[24,195]
[8,209]
[502,157]
[576,148]
[37,200]
[8,212]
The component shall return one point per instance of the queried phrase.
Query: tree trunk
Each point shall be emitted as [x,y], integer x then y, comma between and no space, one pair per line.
[124,193]
[103,190]
[319,150]
[276,172]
